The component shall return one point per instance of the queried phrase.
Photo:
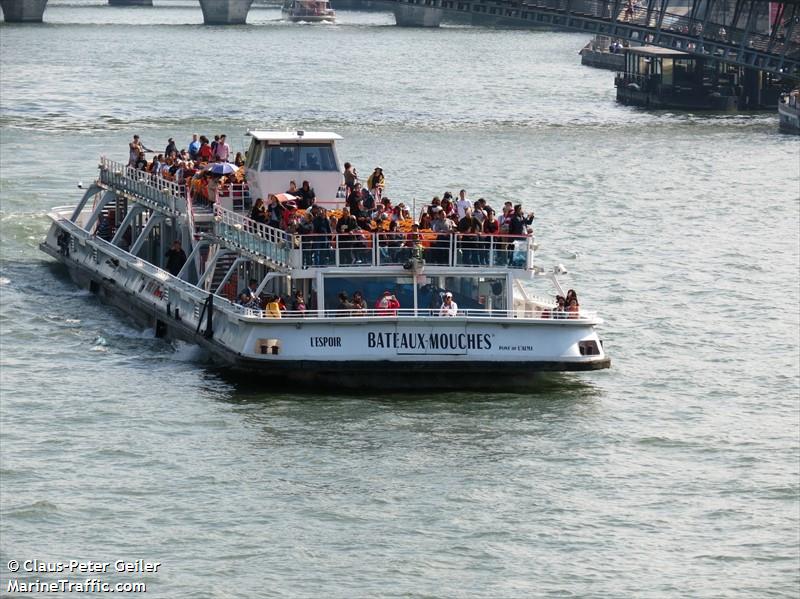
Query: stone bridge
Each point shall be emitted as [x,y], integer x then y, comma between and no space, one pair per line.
[215,12]
[753,34]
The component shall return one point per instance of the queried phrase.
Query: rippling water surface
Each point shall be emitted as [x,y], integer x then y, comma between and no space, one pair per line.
[674,474]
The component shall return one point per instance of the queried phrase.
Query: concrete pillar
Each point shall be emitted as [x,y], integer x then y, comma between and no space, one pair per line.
[130,2]
[413,15]
[23,11]
[225,12]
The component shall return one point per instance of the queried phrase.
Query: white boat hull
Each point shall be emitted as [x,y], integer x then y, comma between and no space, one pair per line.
[381,353]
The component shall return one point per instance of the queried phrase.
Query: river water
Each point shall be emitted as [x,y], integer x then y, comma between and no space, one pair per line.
[674,474]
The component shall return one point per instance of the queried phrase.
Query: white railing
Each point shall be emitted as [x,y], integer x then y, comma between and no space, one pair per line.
[163,192]
[382,313]
[249,235]
[360,248]
[233,196]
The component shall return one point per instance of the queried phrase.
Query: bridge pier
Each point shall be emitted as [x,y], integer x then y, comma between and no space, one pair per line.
[415,15]
[225,12]
[23,11]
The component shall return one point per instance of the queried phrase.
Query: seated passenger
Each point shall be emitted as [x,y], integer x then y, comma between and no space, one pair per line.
[248,301]
[239,159]
[449,307]
[298,303]
[259,212]
[560,311]
[345,305]
[401,213]
[570,296]
[292,188]
[387,304]
[141,162]
[573,308]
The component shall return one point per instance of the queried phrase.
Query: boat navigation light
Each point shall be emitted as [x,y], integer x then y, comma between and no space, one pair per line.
[80,184]
[559,269]
[300,133]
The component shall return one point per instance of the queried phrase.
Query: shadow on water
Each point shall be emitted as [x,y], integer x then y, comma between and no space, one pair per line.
[555,395]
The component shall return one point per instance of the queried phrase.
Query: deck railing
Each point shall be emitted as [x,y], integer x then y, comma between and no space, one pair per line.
[162,192]
[360,249]
[256,238]
[397,248]
[379,314]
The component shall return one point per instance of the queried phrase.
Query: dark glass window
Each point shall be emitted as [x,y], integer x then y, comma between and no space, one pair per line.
[317,158]
[299,157]
[280,158]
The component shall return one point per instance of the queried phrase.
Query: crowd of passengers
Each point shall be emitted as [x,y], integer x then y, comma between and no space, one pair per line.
[401,237]
[368,210]
[190,166]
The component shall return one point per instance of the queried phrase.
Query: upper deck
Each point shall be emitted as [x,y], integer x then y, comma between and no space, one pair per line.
[288,251]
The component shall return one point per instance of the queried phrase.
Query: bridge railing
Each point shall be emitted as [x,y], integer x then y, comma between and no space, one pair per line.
[724,40]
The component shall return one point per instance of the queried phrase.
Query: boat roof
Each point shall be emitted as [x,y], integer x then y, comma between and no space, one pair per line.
[657,51]
[294,135]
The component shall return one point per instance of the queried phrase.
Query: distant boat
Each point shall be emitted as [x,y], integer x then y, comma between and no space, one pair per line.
[311,11]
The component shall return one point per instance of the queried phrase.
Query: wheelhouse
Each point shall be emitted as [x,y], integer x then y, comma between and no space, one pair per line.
[276,158]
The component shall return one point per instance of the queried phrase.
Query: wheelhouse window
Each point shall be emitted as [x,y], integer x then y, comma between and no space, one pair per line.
[294,157]
[317,157]
[254,154]
[280,158]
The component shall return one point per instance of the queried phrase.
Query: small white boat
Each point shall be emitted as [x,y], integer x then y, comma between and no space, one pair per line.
[309,11]
[789,112]
[406,336]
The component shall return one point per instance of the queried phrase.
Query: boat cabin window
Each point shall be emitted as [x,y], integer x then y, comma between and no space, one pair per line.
[371,289]
[299,157]
[666,71]
[470,293]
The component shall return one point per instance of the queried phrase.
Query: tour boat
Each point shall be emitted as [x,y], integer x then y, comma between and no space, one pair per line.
[502,335]
[310,11]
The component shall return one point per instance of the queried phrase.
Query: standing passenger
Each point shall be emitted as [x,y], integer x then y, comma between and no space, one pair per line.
[194,147]
[222,150]
[176,258]
[462,204]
